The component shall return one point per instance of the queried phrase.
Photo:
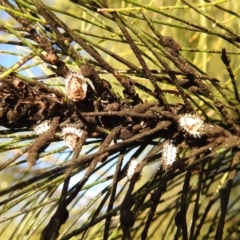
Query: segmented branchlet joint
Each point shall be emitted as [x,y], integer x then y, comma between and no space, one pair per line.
[42,127]
[192,124]
[76,86]
[169,155]
[71,136]
[132,168]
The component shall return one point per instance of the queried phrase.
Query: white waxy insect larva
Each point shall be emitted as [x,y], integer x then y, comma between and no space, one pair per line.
[132,168]
[192,124]
[76,86]
[169,155]
[42,127]
[71,136]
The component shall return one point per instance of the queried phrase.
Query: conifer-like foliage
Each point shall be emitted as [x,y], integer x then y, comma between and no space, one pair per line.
[119,119]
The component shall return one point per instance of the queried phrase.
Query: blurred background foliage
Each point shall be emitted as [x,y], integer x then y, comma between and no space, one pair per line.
[29,195]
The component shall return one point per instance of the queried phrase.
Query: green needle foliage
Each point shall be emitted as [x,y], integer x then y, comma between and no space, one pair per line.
[119,119]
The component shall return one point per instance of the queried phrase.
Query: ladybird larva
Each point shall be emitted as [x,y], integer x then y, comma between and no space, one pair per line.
[132,168]
[169,155]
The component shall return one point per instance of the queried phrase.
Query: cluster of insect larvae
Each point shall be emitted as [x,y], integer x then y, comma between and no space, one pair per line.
[76,90]
[71,135]
[192,125]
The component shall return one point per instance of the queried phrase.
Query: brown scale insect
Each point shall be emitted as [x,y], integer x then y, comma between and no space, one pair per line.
[71,136]
[76,86]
